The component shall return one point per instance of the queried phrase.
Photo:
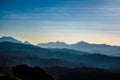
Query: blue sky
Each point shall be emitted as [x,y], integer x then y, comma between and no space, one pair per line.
[95,21]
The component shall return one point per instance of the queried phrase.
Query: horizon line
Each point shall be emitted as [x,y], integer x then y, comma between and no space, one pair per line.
[60,41]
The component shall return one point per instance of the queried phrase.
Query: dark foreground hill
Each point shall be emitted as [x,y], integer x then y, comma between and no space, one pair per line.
[83,73]
[24,72]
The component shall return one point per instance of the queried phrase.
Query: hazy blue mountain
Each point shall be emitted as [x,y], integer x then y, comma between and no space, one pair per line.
[97,48]
[87,47]
[71,51]
[9,39]
[16,53]
[53,45]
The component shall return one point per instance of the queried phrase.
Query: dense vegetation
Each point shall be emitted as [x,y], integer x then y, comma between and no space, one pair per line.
[24,72]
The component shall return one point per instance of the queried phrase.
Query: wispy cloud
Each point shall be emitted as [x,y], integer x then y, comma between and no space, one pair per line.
[62,25]
[17,16]
[59,13]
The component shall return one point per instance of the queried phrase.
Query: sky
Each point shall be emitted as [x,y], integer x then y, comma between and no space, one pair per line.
[71,21]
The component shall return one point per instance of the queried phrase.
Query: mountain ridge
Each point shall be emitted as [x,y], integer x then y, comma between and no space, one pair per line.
[79,46]
[9,39]
[17,53]
[87,47]
[12,39]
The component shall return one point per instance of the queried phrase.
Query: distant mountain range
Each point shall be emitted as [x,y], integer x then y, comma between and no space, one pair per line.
[84,46]
[12,54]
[80,46]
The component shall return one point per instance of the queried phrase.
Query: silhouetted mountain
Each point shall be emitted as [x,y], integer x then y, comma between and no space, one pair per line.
[15,53]
[87,47]
[9,39]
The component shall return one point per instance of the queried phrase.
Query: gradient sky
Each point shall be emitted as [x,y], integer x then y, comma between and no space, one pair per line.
[71,21]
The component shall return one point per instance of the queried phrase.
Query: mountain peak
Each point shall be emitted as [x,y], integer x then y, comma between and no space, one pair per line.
[26,42]
[82,42]
[4,37]
[9,39]
[57,44]
[60,42]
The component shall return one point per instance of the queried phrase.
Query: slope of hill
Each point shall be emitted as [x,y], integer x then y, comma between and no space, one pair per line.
[71,51]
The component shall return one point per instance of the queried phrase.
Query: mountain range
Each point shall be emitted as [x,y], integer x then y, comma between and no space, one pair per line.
[80,46]
[12,54]
[84,46]
[61,61]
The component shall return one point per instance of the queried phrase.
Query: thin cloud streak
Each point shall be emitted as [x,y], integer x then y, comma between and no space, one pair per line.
[110,15]
[68,25]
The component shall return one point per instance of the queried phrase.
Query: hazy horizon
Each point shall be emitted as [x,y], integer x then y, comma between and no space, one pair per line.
[70,21]
[56,41]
